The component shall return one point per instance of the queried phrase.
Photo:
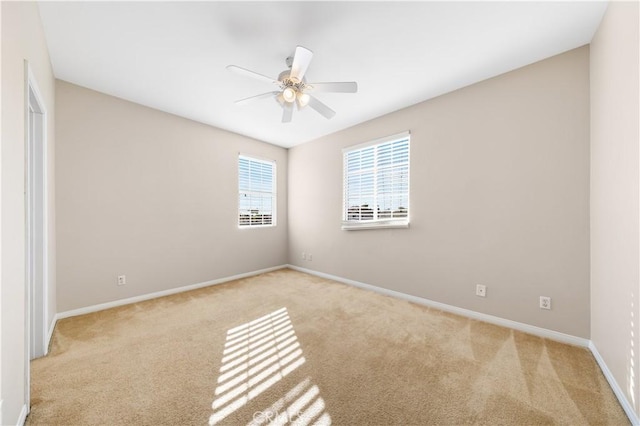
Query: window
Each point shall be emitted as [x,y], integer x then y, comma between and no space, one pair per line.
[376,184]
[257,192]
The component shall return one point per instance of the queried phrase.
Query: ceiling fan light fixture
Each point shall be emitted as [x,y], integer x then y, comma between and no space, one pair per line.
[303,99]
[289,94]
[292,86]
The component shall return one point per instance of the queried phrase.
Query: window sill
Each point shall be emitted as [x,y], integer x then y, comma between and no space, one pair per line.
[383,224]
[255,226]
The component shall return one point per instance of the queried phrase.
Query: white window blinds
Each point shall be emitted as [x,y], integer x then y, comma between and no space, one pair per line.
[376,183]
[257,192]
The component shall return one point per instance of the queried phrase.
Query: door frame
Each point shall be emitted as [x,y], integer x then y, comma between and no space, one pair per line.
[36,229]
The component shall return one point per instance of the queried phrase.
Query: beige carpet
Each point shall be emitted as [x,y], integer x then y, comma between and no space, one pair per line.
[290,347]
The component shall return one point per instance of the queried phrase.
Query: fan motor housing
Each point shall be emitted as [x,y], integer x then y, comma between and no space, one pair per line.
[286,81]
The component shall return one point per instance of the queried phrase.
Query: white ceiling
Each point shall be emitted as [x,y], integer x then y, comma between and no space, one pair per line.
[172,55]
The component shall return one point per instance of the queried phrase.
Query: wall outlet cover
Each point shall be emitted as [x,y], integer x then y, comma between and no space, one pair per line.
[545,302]
[481,290]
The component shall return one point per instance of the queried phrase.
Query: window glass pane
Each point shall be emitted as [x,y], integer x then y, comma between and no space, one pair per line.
[256,192]
[376,181]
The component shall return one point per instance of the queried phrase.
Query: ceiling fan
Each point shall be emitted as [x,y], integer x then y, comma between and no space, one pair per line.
[293,88]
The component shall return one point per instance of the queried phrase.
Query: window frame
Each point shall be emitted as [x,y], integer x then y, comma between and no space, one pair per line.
[273,193]
[403,222]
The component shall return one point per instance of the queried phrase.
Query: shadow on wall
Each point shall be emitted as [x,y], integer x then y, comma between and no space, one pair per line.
[257,356]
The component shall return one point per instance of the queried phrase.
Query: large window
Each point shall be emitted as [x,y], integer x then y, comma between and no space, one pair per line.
[376,184]
[257,192]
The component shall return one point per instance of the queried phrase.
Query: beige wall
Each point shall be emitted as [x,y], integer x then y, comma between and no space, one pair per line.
[22,38]
[499,196]
[615,129]
[152,196]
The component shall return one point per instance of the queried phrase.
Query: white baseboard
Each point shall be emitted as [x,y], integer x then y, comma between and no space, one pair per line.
[141,298]
[527,328]
[23,416]
[622,398]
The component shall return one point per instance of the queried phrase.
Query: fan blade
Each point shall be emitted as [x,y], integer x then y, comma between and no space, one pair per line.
[287,112]
[321,108]
[248,73]
[335,87]
[256,97]
[301,61]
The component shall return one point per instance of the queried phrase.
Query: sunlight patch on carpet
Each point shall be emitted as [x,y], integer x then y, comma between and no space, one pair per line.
[256,356]
[302,405]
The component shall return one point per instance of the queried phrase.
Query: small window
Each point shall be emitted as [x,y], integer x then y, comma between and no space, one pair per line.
[257,192]
[376,184]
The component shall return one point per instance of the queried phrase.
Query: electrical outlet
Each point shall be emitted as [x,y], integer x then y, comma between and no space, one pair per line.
[304,256]
[481,290]
[309,257]
[545,302]
[122,279]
